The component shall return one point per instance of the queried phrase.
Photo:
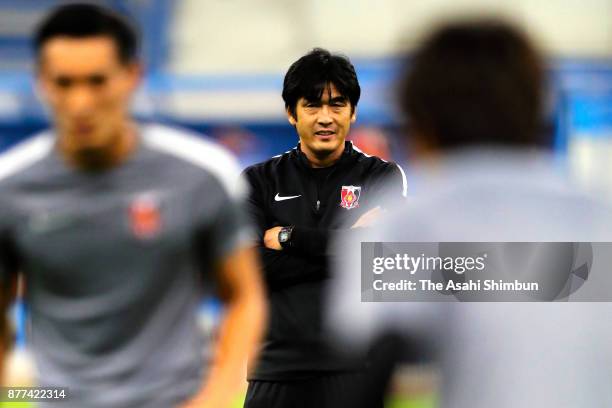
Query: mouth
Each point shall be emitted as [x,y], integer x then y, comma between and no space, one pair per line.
[83,129]
[325,134]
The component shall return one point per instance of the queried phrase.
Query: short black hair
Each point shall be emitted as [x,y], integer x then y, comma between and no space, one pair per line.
[478,82]
[309,76]
[89,20]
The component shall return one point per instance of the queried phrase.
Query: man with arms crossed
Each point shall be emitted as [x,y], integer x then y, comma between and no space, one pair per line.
[296,200]
[117,228]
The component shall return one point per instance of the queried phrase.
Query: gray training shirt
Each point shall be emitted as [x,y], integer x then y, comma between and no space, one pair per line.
[116,263]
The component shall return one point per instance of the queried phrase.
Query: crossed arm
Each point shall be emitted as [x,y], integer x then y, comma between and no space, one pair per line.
[314,241]
[308,261]
[310,246]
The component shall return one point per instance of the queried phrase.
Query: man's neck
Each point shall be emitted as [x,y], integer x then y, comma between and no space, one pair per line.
[106,157]
[321,161]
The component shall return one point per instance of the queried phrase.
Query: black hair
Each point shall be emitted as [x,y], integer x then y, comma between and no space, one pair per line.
[475,82]
[310,75]
[89,20]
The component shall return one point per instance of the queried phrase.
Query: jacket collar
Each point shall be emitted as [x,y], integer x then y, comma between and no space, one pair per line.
[348,155]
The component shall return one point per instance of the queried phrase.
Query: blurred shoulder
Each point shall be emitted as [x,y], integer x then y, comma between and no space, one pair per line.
[18,159]
[194,149]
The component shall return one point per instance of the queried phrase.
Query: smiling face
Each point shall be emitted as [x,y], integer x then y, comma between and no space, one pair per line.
[322,125]
[88,90]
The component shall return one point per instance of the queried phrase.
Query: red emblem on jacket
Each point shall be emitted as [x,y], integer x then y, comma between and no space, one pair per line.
[145,218]
[349,197]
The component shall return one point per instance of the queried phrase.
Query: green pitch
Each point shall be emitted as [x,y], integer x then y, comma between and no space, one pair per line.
[395,402]
[424,402]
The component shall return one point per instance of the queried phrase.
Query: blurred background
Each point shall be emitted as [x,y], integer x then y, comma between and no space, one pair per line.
[216,66]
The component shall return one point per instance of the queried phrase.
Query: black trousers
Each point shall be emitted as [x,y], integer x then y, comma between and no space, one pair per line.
[362,389]
[336,390]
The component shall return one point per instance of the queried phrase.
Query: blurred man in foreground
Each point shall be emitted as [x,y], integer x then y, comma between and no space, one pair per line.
[473,97]
[118,228]
[297,199]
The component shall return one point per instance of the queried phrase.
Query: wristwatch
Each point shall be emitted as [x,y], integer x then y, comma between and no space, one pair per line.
[284,237]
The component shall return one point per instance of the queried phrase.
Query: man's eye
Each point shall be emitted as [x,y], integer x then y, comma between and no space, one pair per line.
[97,80]
[63,82]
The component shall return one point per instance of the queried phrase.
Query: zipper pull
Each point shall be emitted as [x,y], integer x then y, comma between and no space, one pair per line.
[318,205]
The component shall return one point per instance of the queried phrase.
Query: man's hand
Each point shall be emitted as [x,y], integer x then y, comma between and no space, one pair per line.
[369,218]
[8,292]
[241,330]
[270,239]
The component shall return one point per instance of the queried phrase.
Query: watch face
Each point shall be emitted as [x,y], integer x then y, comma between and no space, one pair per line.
[283,236]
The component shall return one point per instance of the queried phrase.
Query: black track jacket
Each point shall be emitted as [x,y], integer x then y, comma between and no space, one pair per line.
[286,191]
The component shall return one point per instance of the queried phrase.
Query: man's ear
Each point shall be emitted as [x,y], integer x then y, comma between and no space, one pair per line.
[290,117]
[41,87]
[136,72]
[354,115]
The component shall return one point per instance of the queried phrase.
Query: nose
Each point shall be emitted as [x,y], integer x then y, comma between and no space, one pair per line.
[324,119]
[80,101]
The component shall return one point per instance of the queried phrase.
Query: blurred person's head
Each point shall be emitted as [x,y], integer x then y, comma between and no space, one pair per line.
[87,70]
[474,83]
[321,92]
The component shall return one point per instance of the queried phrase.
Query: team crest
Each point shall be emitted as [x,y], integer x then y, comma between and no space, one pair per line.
[349,197]
[145,217]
